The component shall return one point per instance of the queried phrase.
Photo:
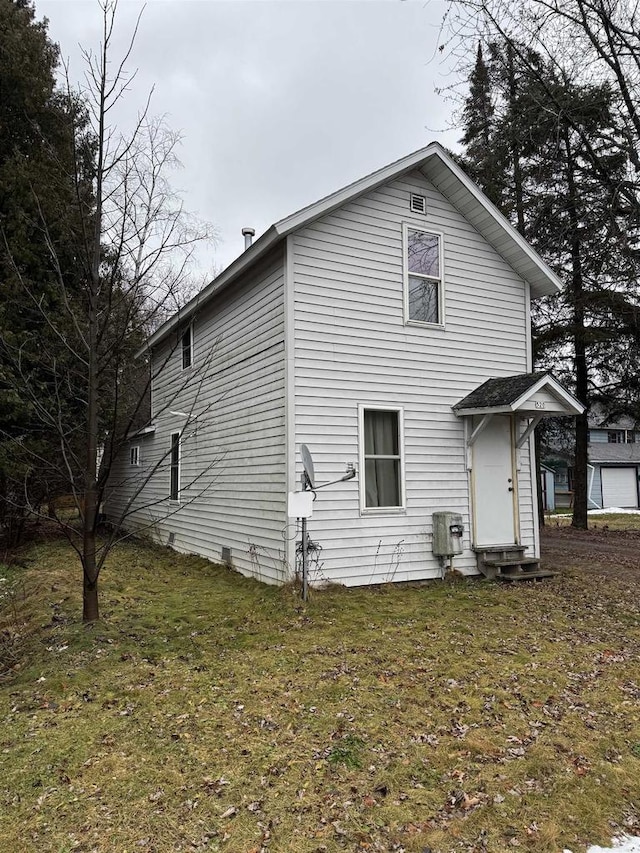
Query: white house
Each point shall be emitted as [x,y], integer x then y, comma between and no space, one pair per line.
[386,327]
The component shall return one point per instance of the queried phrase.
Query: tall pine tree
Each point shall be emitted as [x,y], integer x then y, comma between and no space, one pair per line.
[39,187]
[541,175]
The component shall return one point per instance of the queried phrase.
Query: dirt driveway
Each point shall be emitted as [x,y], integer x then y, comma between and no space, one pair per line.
[609,552]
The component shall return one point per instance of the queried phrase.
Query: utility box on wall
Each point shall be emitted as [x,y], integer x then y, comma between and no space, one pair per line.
[447,534]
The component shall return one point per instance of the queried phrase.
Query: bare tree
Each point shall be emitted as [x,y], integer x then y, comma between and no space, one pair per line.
[135,245]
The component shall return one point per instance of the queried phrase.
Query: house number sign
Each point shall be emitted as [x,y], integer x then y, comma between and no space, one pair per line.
[539,404]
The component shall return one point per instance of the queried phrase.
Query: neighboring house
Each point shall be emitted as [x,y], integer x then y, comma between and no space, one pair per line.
[614,462]
[386,327]
[561,464]
[547,488]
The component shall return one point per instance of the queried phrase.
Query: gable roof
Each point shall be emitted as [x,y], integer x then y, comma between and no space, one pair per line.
[508,394]
[442,171]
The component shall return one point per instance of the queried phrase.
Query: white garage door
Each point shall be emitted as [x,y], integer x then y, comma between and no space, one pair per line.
[619,487]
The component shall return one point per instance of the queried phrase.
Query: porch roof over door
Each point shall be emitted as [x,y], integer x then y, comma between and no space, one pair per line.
[527,394]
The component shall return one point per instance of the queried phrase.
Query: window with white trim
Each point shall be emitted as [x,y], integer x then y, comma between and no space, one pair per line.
[381,464]
[423,276]
[174,467]
[187,347]
[134,454]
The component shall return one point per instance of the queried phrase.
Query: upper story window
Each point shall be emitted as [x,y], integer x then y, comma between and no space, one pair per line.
[423,280]
[615,436]
[187,347]
[381,445]
[134,454]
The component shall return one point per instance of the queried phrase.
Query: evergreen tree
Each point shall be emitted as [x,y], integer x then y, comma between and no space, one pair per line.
[38,191]
[478,118]
[551,193]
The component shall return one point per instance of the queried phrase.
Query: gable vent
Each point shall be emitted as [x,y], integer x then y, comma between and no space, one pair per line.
[418,203]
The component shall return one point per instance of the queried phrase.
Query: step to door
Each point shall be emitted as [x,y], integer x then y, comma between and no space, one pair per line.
[533,574]
[508,563]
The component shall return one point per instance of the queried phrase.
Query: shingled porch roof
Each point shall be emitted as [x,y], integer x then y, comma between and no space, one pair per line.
[525,393]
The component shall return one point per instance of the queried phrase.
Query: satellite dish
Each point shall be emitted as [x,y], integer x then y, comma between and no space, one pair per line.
[307,461]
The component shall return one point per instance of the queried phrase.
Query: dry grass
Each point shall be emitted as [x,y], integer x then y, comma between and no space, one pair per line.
[209,712]
[607,521]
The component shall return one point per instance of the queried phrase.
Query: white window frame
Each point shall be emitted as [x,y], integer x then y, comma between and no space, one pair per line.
[380,510]
[406,227]
[189,331]
[134,455]
[177,499]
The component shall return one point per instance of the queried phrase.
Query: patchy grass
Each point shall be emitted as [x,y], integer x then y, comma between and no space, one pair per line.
[615,521]
[607,521]
[208,712]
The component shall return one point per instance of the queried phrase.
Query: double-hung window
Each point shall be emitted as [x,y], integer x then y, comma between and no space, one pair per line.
[174,467]
[423,281]
[381,462]
[187,347]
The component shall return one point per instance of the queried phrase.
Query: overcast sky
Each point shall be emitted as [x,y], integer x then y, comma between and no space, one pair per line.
[280,103]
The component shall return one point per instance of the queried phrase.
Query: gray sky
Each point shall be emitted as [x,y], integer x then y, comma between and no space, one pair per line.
[280,103]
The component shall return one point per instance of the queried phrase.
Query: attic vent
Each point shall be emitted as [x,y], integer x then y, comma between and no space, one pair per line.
[226,555]
[418,203]
[171,539]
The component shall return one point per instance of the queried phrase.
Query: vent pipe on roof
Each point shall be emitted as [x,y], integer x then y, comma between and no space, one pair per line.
[248,234]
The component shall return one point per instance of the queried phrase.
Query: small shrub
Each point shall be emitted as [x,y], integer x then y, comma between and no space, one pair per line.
[347,752]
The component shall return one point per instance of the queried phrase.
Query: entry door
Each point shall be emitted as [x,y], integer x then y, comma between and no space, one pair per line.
[494,484]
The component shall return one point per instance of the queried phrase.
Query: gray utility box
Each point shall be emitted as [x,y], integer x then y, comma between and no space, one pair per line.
[447,534]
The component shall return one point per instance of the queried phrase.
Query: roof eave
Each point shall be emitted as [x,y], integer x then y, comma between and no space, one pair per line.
[484,410]
[542,280]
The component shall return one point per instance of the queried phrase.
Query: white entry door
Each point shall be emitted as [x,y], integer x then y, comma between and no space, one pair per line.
[494,487]
[619,487]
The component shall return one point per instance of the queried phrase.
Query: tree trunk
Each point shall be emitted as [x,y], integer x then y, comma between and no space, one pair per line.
[580,349]
[90,610]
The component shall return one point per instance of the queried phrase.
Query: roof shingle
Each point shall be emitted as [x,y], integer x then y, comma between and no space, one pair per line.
[499,392]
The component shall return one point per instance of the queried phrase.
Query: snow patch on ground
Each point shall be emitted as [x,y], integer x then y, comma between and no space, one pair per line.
[610,510]
[626,844]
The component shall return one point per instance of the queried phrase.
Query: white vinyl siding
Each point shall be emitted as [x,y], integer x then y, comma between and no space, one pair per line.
[230,409]
[352,345]
[347,348]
